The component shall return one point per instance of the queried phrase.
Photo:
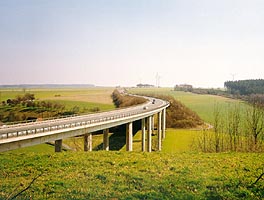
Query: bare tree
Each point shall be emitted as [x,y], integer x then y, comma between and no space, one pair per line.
[255,122]
[217,127]
[233,126]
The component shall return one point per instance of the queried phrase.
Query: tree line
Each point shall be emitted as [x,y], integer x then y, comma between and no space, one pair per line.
[121,99]
[245,87]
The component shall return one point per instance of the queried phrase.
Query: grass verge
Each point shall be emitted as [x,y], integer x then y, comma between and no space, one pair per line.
[130,175]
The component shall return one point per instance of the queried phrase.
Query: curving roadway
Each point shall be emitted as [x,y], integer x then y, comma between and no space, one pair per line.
[28,134]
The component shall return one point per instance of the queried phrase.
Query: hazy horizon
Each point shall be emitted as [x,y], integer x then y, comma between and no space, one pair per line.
[121,42]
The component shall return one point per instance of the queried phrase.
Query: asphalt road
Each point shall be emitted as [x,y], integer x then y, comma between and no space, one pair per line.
[17,130]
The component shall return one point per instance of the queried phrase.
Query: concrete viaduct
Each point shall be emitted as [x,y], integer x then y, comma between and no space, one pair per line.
[33,133]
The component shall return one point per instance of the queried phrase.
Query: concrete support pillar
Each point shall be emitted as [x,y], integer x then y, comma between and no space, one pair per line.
[143,129]
[163,123]
[88,142]
[106,140]
[159,131]
[85,142]
[129,136]
[149,148]
[58,145]
[153,123]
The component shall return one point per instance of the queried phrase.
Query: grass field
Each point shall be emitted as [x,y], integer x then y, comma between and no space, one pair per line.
[123,175]
[84,106]
[177,172]
[71,101]
[203,105]
[97,95]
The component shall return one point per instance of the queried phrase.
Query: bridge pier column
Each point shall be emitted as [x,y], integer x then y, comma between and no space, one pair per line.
[58,145]
[129,136]
[159,131]
[106,140]
[88,142]
[163,123]
[143,129]
[153,124]
[149,145]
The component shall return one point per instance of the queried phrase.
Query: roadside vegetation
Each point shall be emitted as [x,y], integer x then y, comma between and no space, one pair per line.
[122,99]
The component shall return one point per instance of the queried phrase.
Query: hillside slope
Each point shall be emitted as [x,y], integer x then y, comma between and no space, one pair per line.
[123,175]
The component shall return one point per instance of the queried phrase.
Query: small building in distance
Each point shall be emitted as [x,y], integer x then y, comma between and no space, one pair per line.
[183,87]
[144,85]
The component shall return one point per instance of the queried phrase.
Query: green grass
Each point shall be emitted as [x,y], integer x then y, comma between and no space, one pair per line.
[75,101]
[130,175]
[101,95]
[84,106]
[177,172]
[179,140]
[203,105]
[41,148]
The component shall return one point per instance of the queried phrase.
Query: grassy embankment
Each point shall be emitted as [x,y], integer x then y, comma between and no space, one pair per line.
[170,174]
[122,175]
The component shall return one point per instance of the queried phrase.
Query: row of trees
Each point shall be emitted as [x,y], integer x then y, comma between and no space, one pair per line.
[27,108]
[123,100]
[28,100]
[238,128]
[245,87]
[24,100]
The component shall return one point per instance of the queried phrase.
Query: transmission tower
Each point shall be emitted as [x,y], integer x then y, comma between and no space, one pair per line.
[158,80]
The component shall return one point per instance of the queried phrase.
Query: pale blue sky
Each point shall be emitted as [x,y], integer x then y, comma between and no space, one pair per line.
[124,42]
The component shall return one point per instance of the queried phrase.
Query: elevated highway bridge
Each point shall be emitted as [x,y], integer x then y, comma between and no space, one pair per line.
[33,133]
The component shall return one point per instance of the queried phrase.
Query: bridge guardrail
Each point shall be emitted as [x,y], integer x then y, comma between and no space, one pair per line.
[51,125]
